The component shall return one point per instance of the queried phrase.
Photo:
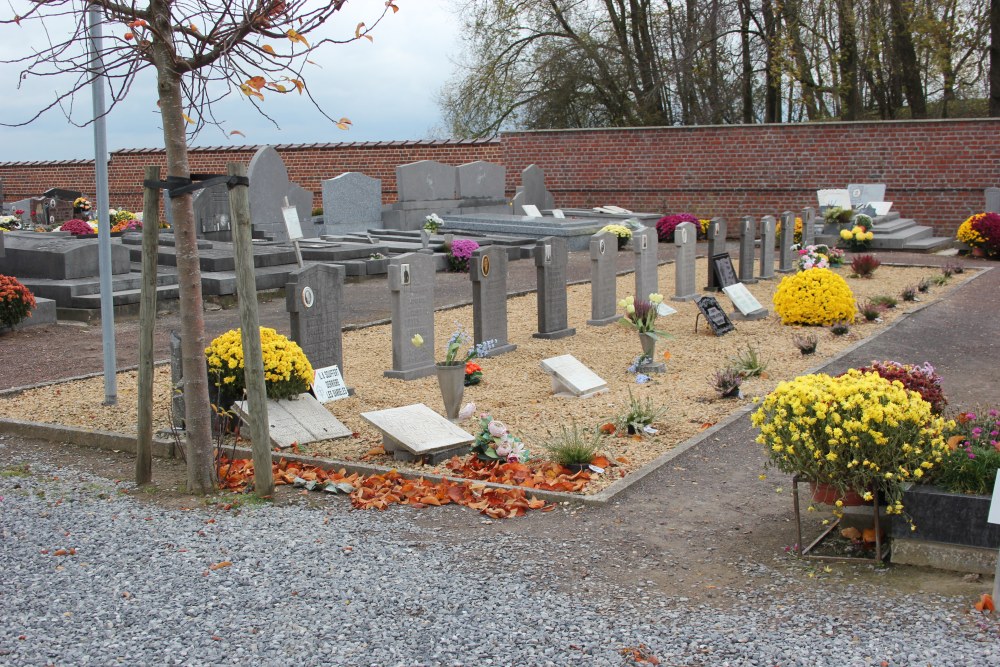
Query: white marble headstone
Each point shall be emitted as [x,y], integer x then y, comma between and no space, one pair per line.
[742,299]
[417,429]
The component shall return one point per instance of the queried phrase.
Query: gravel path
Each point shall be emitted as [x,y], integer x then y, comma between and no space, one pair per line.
[319,583]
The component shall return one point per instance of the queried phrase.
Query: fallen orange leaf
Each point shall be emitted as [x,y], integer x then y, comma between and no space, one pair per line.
[219,566]
[986,603]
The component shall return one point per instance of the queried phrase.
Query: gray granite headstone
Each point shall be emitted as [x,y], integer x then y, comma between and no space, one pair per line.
[532,190]
[478,180]
[766,248]
[176,382]
[785,241]
[352,202]
[748,234]
[488,271]
[863,193]
[808,226]
[716,245]
[212,213]
[644,245]
[426,180]
[686,240]
[550,268]
[269,186]
[603,279]
[411,297]
[314,301]
[992,200]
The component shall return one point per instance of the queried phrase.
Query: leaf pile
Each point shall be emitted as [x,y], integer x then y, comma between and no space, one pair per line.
[545,476]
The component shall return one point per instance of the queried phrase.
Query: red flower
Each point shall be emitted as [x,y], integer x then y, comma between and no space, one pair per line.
[471,367]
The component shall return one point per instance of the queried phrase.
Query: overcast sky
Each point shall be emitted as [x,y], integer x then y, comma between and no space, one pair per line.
[388,89]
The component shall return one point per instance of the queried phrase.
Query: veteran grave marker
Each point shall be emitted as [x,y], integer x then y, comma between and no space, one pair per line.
[785,240]
[766,248]
[603,278]
[644,245]
[808,226]
[685,238]
[411,297]
[748,235]
[550,269]
[488,272]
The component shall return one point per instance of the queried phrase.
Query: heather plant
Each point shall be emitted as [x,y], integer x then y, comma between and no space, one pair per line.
[884,301]
[922,379]
[870,311]
[974,441]
[666,225]
[864,266]
[460,253]
[805,342]
[727,382]
[840,328]
[909,293]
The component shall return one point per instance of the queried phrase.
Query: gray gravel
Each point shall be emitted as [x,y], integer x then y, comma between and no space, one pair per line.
[335,586]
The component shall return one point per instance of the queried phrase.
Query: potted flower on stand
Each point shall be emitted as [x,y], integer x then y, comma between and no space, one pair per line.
[641,315]
[452,372]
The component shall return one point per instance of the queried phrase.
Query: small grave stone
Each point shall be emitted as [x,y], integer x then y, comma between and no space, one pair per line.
[766,248]
[176,381]
[686,239]
[481,180]
[411,296]
[992,200]
[714,315]
[269,186]
[298,421]
[603,278]
[723,273]
[426,180]
[314,301]
[415,432]
[746,304]
[488,271]
[570,378]
[352,202]
[785,241]
[644,245]
[212,213]
[808,226]
[550,269]
[531,211]
[716,245]
[748,234]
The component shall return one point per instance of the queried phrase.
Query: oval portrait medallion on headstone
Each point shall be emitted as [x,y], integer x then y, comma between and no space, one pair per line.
[485,266]
[308,298]
[602,246]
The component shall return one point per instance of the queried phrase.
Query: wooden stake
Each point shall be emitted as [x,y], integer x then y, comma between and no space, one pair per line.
[147,326]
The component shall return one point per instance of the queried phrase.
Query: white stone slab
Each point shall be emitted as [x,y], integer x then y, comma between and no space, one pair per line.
[417,429]
[742,299]
[841,198]
[558,213]
[531,211]
[328,384]
[881,207]
[297,421]
[608,208]
[292,223]
[571,378]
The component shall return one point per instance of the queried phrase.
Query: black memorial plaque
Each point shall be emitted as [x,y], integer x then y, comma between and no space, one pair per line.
[722,267]
[714,314]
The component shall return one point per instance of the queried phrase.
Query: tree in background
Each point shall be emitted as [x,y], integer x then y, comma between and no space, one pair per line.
[201,52]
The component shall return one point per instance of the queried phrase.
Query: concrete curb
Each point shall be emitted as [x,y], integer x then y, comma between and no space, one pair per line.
[166,449]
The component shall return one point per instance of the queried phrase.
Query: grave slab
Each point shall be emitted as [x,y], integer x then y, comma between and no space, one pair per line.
[746,304]
[571,378]
[297,421]
[415,432]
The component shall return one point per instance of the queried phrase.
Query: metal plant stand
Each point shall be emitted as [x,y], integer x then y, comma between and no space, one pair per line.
[881,550]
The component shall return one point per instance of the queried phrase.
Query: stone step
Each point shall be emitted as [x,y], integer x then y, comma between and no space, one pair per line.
[64,291]
[123,297]
[888,217]
[929,244]
[892,226]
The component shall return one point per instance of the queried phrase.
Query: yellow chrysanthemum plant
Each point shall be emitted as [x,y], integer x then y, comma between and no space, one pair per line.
[856,432]
[814,297]
[287,371]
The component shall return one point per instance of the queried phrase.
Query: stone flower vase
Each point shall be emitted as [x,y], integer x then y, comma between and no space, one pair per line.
[451,379]
[648,341]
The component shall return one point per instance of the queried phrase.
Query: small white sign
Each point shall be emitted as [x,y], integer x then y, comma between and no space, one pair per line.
[328,384]
[291,215]
[663,309]
[742,299]
[994,516]
[558,213]
[531,211]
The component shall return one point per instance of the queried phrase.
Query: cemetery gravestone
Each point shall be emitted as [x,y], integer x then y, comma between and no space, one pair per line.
[328,384]
[212,214]
[721,266]
[766,248]
[488,271]
[685,238]
[532,191]
[714,315]
[644,245]
[314,300]
[785,241]
[269,186]
[415,432]
[716,245]
[352,202]
[808,226]
[571,378]
[603,278]
[426,180]
[297,422]
[411,295]
[992,200]
[746,304]
[865,193]
[748,234]
[550,269]
[481,180]
[176,382]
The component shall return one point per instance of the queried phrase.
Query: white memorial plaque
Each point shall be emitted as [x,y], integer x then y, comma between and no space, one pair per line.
[994,516]
[291,216]
[571,378]
[531,211]
[663,309]
[742,299]
[297,421]
[558,213]
[417,429]
[881,207]
[328,384]
[827,198]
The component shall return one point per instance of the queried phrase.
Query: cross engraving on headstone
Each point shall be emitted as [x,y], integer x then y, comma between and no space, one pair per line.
[603,278]
[716,245]
[412,306]
[550,269]
[785,241]
[748,234]
[766,248]
[488,271]
[685,238]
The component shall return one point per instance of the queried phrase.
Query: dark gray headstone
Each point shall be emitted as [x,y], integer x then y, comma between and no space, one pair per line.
[411,297]
[426,180]
[644,245]
[716,245]
[212,214]
[785,241]
[488,271]
[603,279]
[992,200]
[269,187]
[352,202]
[176,381]
[480,179]
[550,267]
[314,301]
[686,240]
[766,248]
[808,226]
[748,234]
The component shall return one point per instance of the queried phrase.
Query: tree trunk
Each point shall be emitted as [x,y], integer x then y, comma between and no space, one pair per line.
[200,458]
[850,98]
[995,57]
[906,60]
[772,79]
[746,78]
[790,10]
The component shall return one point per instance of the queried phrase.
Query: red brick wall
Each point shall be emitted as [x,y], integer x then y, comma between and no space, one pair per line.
[935,170]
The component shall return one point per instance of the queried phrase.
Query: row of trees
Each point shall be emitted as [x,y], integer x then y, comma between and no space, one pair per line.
[591,63]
